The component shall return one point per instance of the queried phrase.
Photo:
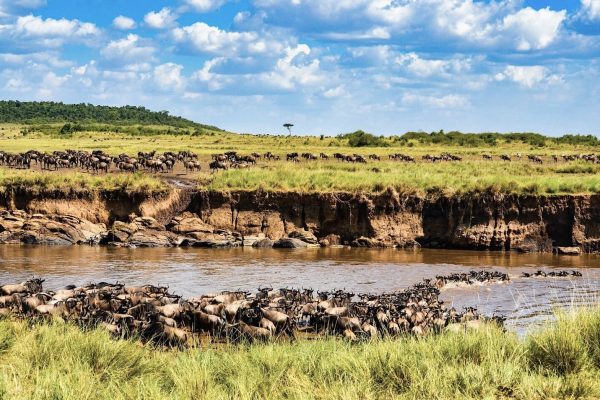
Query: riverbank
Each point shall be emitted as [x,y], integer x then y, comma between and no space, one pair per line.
[188,217]
[60,361]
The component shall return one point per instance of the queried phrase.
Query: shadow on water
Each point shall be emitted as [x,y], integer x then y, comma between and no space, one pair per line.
[196,271]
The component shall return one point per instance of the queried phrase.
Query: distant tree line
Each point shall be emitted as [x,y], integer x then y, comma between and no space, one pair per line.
[492,138]
[52,112]
[456,138]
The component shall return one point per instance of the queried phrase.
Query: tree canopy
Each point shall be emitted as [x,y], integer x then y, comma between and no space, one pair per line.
[49,112]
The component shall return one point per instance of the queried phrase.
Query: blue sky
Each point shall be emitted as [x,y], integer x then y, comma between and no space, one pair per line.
[328,66]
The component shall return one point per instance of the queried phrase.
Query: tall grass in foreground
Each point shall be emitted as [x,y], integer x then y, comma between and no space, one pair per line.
[59,361]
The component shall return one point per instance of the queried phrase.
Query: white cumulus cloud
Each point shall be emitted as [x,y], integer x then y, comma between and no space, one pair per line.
[33,26]
[431,67]
[338,91]
[168,77]
[128,49]
[292,70]
[35,31]
[527,76]
[534,29]
[162,19]
[124,23]
[204,38]
[590,9]
[205,5]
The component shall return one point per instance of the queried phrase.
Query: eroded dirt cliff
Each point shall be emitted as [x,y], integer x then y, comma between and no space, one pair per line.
[218,219]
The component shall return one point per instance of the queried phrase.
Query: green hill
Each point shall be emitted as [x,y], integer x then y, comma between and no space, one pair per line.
[52,112]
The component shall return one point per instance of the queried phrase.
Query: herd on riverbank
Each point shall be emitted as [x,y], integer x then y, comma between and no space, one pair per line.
[153,314]
[98,161]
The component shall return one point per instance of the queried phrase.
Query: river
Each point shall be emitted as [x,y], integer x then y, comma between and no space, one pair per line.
[188,272]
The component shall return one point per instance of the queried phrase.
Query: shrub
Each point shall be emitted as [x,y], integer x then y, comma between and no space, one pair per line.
[363,139]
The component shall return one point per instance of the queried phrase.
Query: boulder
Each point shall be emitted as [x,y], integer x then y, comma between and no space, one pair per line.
[249,241]
[145,238]
[121,231]
[304,235]
[189,225]
[263,243]
[290,243]
[331,240]
[148,223]
[366,242]
[568,251]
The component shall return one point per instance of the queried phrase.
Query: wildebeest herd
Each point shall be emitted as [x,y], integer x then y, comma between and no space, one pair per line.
[98,161]
[153,314]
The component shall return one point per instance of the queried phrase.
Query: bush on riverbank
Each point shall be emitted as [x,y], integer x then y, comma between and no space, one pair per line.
[60,361]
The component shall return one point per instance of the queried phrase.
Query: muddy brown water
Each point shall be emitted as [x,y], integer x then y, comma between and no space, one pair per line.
[526,302]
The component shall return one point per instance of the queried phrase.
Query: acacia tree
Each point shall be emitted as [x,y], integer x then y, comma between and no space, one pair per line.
[288,126]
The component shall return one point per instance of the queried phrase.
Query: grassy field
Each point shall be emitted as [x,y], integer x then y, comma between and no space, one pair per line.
[59,361]
[472,174]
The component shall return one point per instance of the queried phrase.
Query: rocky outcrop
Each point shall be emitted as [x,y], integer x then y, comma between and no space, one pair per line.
[564,224]
[20,227]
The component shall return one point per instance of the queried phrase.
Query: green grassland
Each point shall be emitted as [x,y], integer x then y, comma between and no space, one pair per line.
[473,174]
[58,361]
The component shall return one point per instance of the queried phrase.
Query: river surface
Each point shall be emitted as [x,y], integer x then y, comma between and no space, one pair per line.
[526,302]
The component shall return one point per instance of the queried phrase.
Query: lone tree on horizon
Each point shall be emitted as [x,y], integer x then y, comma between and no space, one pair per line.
[288,126]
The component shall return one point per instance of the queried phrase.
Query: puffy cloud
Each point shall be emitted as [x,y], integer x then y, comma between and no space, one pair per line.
[338,91]
[534,29]
[456,22]
[211,80]
[49,59]
[128,49]
[160,20]
[50,84]
[371,34]
[168,77]
[33,26]
[291,70]
[124,23]
[204,38]
[205,5]
[428,67]
[526,76]
[33,32]
[9,7]
[590,9]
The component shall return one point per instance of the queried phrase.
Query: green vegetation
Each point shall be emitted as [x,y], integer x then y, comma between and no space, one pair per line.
[456,138]
[76,184]
[363,139]
[49,112]
[58,361]
[449,178]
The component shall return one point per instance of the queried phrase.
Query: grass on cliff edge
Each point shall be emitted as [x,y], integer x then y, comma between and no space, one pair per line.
[59,361]
[464,177]
[74,183]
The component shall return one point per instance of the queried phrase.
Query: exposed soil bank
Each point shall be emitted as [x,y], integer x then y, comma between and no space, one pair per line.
[565,223]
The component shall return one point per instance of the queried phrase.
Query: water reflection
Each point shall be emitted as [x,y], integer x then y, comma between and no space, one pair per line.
[195,271]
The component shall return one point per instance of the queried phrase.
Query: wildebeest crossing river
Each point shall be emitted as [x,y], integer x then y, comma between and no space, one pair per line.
[191,272]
